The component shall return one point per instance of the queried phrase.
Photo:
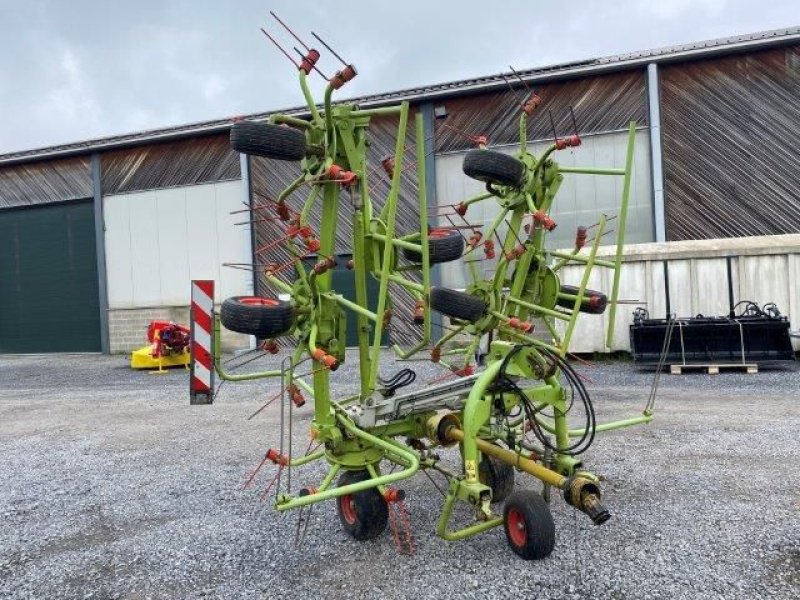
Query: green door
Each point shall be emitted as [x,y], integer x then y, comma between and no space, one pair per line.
[344,282]
[48,279]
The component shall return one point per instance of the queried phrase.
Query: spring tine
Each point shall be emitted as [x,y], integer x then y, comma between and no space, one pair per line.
[253,473]
[516,235]
[552,124]
[321,74]
[331,50]
[304,517]
[511,87]
[519,77]
[574,122]
[292,33]
[285,53]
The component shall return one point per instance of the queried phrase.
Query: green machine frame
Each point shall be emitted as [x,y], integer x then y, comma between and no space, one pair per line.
[490,421]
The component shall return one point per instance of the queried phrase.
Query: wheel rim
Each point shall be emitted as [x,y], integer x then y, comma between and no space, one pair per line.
[516,527]
[439,233]
[256,301]
[348,506]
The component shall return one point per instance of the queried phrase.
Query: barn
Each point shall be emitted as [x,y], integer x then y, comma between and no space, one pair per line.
[99,237]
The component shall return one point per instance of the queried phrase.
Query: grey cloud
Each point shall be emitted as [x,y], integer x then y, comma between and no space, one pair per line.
[82,69]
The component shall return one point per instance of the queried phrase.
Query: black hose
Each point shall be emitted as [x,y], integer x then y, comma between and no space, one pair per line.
[504,384]
[397,381]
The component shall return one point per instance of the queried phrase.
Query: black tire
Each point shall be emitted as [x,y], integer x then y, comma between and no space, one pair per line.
[457,305]
[497,475]
[261,317]
[269,140]
[529,526]
[594,302]
[444,245]
[364,514]
[493,167]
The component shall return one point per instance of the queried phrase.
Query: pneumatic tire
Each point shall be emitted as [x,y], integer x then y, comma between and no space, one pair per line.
[457,305]
[491,166]
[594,302]
[266,139]
[444,245]
[364,514]
[497,475]
[529,526]
[261,317]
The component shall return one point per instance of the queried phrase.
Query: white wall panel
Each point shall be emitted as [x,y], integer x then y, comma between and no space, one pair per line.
[580,200]
[119,266]
[172,237]
[697,286]
[158,240]
[145,251]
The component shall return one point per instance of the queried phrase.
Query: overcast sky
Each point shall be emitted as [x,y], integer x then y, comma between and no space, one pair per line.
[74,70]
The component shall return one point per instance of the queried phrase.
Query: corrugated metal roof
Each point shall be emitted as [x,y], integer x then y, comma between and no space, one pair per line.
[740,43]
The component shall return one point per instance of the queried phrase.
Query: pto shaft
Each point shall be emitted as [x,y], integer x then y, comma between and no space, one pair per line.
[512,458]
[578,491]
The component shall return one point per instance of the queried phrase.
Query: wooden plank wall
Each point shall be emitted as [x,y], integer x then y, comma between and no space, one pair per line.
[602,103]
[170,164]
[45,182]
[731,145]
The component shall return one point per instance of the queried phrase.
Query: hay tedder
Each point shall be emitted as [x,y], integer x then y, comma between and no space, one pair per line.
[512,415]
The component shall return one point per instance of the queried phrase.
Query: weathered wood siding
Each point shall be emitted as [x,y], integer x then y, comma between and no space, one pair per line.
[186,162]
[45,182]
[731,145]
[601,103]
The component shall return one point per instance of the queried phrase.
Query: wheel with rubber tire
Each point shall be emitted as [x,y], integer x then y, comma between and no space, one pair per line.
[266,139]
[444,245]
[529,526]
[493,167]
[261,317]
[594,302]
[363,514]
[457,305]
[497,475]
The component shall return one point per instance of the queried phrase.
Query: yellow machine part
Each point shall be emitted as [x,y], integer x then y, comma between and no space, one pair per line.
[143,359]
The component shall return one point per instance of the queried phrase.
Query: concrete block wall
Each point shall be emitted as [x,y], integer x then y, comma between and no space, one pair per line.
[127,327]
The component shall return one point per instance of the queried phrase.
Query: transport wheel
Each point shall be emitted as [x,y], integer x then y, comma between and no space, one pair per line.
[497,475]
[493,167]
[444,245]
[269,140]
[529,526]
[593,303]
[261,317]
[457,305]
[364,514]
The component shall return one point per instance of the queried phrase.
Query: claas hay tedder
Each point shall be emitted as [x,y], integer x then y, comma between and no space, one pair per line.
[514,414]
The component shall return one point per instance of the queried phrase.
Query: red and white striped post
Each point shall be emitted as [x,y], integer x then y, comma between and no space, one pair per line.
[201,382]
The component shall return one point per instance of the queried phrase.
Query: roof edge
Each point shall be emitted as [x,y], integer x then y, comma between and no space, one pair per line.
[631,60]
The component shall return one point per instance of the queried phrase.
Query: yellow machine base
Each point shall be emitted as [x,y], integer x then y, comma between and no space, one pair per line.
[143,359]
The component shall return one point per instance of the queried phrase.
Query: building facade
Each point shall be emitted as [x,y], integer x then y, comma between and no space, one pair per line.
[97,238]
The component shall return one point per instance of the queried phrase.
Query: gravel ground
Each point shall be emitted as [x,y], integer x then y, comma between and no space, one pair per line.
[114,487]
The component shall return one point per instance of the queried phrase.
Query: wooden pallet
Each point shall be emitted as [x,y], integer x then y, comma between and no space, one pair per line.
[712,369]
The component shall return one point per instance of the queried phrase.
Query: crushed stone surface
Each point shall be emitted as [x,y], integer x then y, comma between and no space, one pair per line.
[112,486]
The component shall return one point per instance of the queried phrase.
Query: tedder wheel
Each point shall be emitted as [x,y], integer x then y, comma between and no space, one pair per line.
[444,245]
[269,140]
[497,475]
[529,526]
[364,514]
[457,305]
[594,302]
[493,167]
[261,317]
